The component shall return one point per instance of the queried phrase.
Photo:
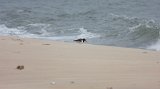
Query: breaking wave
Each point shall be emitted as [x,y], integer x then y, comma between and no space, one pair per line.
[45,31]
[136,32]
[85,34]
[155,46]
[10,31]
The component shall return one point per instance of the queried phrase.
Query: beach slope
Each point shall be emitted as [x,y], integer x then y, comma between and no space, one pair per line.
[59,65]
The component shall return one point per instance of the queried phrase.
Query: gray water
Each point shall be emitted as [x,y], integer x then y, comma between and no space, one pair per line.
[123,23]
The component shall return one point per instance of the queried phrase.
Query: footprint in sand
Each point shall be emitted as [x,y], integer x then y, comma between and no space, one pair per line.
[109,88]
[144,52]
[17,52]
[21,44]
[72,82]
[18,39]
[46,44]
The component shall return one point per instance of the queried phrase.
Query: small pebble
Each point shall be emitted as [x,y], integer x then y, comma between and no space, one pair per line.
[53,83]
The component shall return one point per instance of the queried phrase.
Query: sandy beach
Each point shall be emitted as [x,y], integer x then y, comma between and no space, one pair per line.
[60,65]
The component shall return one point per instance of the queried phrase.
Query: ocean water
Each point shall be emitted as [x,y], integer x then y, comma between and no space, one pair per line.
[122,23]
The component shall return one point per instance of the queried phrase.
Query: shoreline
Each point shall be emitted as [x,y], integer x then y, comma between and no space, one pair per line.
[64,65]
[72,42]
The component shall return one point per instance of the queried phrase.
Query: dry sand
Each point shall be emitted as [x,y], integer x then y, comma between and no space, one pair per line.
[59,65]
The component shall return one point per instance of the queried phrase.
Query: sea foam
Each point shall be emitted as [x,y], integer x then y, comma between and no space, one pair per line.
[4,30]
[86,34]
[155,46]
